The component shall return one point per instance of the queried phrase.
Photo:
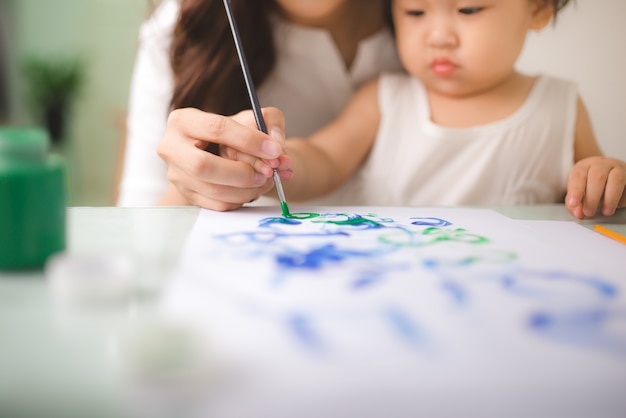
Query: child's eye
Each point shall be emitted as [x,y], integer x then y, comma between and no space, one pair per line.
[415,12]
[470,10]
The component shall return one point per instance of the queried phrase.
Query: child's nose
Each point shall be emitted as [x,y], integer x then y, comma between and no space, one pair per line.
[442,33]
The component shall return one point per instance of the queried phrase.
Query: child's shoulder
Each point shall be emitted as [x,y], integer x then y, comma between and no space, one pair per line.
[551,82]
[397,80]
[399,83]
[397,76]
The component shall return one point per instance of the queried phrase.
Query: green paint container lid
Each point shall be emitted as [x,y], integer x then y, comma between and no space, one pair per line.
[32,199]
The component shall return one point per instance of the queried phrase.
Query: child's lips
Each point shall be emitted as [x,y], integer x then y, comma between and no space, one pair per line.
[443,67]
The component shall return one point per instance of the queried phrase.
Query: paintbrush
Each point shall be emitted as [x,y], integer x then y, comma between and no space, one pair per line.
[256,108]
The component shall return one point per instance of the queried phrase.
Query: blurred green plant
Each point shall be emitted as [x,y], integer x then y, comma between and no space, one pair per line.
[53,84]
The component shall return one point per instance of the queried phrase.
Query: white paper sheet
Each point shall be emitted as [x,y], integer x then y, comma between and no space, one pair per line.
[405,312]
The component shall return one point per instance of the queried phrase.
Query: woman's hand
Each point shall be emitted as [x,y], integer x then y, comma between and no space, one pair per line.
[596,182]
[225,182]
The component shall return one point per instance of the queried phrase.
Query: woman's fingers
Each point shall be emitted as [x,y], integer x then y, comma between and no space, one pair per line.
[212,128]
[199,193]
[220,182]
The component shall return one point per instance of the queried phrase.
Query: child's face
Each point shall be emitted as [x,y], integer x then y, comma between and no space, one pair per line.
[464,47]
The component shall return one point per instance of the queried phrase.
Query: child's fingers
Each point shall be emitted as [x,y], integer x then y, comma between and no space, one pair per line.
[576,186]
[596,182]
[615,191]
[284,163]
[285,174]
[263,167]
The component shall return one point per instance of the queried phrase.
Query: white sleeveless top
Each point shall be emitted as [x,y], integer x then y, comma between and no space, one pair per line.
[523,159]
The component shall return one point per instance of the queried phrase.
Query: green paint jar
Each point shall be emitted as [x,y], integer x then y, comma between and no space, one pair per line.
[32,199]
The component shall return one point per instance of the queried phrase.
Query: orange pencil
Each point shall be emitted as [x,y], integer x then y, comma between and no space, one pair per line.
[609,233]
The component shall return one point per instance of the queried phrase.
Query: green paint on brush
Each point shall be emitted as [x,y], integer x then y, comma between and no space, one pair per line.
[285,209]
[296,215]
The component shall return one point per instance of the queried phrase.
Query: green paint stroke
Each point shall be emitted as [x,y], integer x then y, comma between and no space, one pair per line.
[458,234]
[430,236]
[296,215]
[353,221]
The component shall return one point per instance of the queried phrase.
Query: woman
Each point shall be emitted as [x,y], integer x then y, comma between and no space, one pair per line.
[306,58]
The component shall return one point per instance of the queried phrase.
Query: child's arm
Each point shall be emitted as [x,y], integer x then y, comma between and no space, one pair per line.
[595,181]
[330,156]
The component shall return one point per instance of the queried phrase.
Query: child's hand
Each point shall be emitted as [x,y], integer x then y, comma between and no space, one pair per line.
[264,167]
[596,181]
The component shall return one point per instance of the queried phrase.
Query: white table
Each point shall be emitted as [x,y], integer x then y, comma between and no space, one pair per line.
[63,360]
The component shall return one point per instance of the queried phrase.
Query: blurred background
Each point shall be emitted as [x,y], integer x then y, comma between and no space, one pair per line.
[82,50]
[86,49]
[586,45]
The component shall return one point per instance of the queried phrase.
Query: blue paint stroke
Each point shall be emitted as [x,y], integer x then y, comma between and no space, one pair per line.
[521,285]
[367,279]
[437,264]
[345,222]
[366,282]
[301,327]
[376,275]
[269,222]
[485,257]
[265,237]
[405,326]
[430,222]
[451,287]
[279,279]
[456,291]
[318,257]
[584,327]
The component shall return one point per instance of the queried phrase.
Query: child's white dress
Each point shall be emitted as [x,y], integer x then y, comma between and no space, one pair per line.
[523,159]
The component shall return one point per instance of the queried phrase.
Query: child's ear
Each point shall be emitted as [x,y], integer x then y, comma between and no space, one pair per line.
[542,14]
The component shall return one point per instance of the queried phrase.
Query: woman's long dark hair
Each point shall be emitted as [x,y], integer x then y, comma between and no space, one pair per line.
[204,60]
